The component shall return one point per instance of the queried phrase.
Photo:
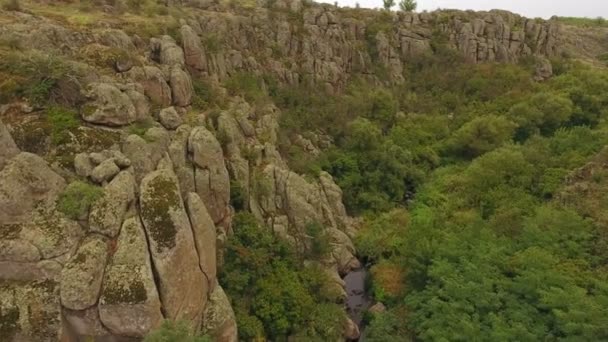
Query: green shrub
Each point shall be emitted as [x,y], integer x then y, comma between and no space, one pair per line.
[62,121]
[250,86]
[320,245]
[77,198]
[140,128]
[34,75]
[175,332]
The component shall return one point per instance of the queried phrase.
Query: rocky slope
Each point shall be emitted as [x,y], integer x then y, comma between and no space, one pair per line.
[150,247]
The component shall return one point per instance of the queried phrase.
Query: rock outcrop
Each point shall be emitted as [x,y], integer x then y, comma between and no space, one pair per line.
[129,304]
[182,285]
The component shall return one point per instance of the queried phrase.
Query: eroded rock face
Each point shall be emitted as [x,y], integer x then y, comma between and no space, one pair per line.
[219,320]
[211,176]
[193,53]
[181,86]
[109,106]
[30,311]
[26,182]
[169,118]
[181,282]
[166,51]
[204,237]
[129,303]
[108,212]
[81,277]
[8,148]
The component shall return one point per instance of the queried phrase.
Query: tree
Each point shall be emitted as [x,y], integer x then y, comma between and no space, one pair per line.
[408,5]
[388,4]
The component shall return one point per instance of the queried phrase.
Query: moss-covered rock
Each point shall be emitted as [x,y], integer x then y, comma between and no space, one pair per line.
[81,277]
[219,319]
[108,212]
[129,304]
[29,310]
[180,279]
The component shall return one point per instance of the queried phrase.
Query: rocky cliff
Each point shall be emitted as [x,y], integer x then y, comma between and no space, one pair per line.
[149,247]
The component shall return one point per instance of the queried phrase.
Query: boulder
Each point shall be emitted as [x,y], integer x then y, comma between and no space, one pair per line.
[86,325]
[154,84]
[181,87]
[30,311]
[81,277]
[145,153]
[351,330]
[180,279]
[8,148]
[166,51]
[108,106]
[129,304]
[211,176]
[108,212]
[193,53]
[50,231]
[204,236]
[105,171]
[219,321]
[83,165]
[169,118]
[377,308]
[178,152]
[25,183]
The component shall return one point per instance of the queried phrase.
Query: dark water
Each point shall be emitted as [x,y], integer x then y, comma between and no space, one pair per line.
[357,301]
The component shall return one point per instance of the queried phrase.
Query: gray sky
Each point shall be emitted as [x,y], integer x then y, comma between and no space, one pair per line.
[529,8]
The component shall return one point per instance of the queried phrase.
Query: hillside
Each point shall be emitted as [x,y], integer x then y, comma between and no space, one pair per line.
[222,167]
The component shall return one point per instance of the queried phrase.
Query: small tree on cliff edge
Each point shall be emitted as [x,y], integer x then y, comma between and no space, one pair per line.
[388,4]
[408,5]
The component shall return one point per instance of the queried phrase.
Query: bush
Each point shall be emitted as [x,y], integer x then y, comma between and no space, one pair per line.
[175,332]
[62,121]
[320,241]
[77,198]
[34,75]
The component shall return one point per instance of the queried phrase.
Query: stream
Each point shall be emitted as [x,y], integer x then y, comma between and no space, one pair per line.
[357,301]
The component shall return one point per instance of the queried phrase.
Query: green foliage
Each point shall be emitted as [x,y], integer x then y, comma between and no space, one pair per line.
[175,332]
[388,4]
[408,5]
[205,95]
[481,135]
[383,236]
[62,121]
[543,113]
[248,85]
[140,128]
[273,294]
[584,22]
[386,327]
[77,198]
[320,241]
[32,75]
[238,196]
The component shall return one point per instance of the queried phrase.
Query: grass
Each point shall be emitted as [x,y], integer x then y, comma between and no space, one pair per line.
[77,198]
[584,22]
[32,75]
[62,121]
[140,128]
